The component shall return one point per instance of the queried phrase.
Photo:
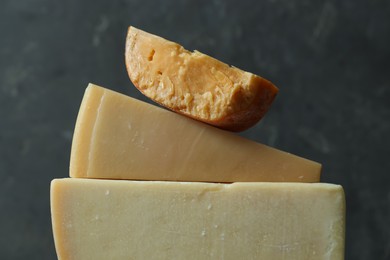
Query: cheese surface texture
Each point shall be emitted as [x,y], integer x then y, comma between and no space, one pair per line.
[110,219]
[196,84]
[118,137]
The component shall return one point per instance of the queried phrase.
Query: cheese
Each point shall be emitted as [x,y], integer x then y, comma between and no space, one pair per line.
[117,137]
[196,84]
[111,219]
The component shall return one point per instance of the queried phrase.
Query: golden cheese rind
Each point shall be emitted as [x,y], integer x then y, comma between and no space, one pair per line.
[195,84]
[110,219]
[118,137]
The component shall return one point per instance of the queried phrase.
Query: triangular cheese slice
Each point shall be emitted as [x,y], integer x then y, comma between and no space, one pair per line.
[118,137]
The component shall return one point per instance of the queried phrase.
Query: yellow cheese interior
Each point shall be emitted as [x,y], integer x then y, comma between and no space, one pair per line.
[117,137]
[111,219]
[193,83]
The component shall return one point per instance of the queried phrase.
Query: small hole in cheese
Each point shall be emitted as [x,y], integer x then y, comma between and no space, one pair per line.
[151,55]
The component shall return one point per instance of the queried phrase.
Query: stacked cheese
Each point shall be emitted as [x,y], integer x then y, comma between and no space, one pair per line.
[148,183]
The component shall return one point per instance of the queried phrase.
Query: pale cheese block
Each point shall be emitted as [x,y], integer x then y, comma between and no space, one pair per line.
[118,137]
[111,219]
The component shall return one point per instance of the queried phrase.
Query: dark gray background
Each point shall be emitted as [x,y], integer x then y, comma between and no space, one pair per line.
[330,59]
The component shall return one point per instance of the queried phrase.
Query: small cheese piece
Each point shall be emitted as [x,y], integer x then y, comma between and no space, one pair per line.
[111,219]
[196,84]
[118,137]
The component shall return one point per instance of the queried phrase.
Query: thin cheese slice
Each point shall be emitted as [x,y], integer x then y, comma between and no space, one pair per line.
[111,219]
[118,137]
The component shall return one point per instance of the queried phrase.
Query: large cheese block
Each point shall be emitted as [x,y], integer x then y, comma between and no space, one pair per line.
[118,137]
[111,219]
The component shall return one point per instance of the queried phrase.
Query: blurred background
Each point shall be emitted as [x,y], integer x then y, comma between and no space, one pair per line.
[330,59]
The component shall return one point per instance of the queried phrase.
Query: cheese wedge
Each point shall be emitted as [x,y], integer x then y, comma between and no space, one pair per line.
[118,137]
[110,219]
[195,84]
